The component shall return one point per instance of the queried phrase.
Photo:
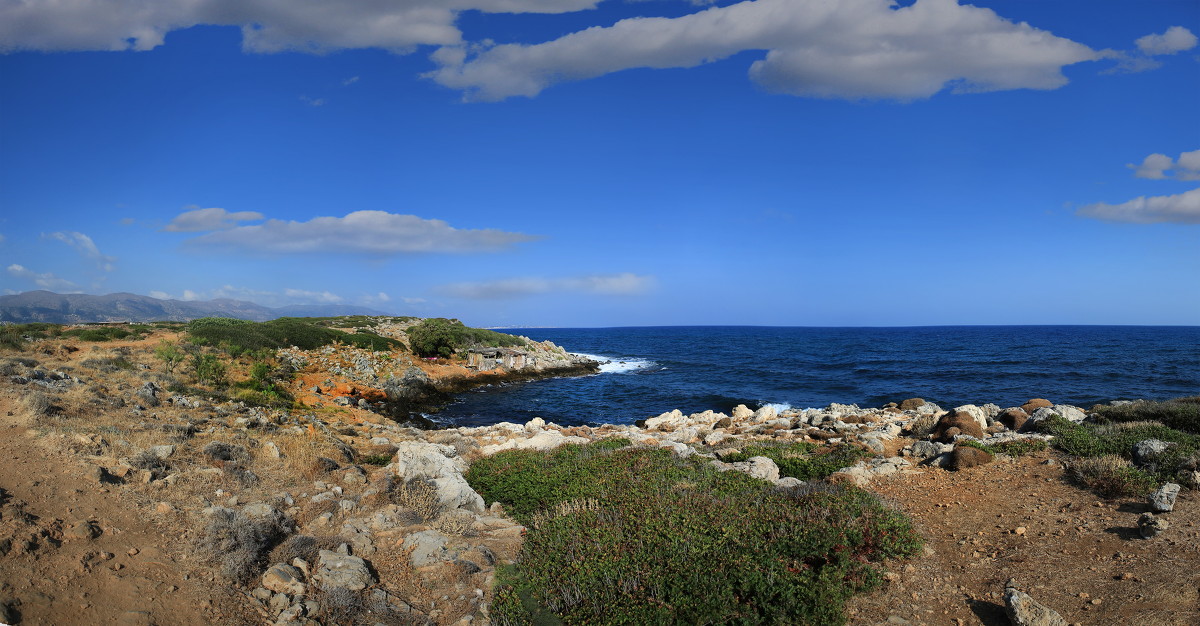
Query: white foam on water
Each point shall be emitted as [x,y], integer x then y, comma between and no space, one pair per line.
[779,407]
[618,366]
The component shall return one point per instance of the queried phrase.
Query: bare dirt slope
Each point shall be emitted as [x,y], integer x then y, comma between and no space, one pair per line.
[135,570]
[1020,519]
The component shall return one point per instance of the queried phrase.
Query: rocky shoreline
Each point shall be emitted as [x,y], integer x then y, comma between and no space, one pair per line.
[309,516]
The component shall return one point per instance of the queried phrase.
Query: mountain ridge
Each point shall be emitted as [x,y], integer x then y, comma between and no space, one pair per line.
[47,306]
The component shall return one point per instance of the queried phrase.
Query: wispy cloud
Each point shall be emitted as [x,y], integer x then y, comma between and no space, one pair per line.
[312,102]
[202,220]
[606,284]
[316,297]
[45,280]
[1183,208]
[1175,39]
[86,248]
[349,81]
[372,233]
[814,48]
[258,296]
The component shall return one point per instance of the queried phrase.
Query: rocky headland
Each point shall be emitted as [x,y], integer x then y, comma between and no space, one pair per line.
[126,502]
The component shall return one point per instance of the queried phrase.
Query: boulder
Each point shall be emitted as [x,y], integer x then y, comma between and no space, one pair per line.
[1147,451]
[283,578]
[741,412]
[441,466]
[666,421]
[342,570]
[428,547]
[976,413]
[928,449]
[147,394]
[759,467]
[1065,411]
[912,404]
[1035,404]
[963,457]
[1163,500]
[955,423]
[1023,610]
[765,414]
[1014,418]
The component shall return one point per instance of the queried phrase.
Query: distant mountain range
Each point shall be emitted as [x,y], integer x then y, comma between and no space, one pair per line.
[45,306]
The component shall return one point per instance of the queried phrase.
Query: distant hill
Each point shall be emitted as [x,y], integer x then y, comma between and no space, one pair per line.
[46,306]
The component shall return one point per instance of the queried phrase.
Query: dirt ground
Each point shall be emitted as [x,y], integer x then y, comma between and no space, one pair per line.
[136,570]
[1020,519]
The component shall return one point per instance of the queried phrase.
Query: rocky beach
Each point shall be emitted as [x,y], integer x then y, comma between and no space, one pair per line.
[126,502]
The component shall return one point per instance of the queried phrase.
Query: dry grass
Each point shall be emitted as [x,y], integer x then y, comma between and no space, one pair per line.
[1111,476]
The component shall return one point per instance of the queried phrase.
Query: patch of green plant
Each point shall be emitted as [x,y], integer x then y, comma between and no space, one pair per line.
[209,369]
[801,459]
[378,460]
[438,336]
[108,333]
[14,336]
[639,536]
[238,337]
[1015,447]
[1117,439]
[1112,476]
[1181,413]
[169,354]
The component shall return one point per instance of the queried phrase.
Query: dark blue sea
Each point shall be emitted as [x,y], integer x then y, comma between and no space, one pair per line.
[653,370]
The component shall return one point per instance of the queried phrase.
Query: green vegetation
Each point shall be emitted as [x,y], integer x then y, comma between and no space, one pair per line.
[237,337]
[108,333]
[1016,447]
[169,354]
[261,389]
[439,336]
[621,535]
[209,369]
[1105,449]
[802,460]
[1181,413]
[14,336]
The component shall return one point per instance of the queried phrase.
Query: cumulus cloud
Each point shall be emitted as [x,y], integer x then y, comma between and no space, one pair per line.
[1160,167]
[45,280]
[848,49]
[86,247]
[1175,39]
[1183,208]
[266,25]
[200,220]
[161,295]
[608,284]
[374,233]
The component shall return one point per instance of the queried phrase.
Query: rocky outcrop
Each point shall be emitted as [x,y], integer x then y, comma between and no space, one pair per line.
[1023,610]
[440,466]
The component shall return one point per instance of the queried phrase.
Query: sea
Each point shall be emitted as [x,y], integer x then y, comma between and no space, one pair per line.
[651,370]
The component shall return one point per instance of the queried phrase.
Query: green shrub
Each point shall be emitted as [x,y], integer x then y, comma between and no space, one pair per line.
[1015,447]
[1181,413]
[209,369]
[801,459]
[169,354]
[1112,476]
[378,460]
[438,336]
[237,337]
[624,535]
[14,336]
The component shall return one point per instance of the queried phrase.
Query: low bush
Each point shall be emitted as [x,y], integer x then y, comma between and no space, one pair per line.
[108,333]
[1181,413]
[1115,440]
[240,542]
[209,369]
[1015,447]
[240,336]
[14,336]
[438,336]
[1112,476]
[802,460]
[640,536]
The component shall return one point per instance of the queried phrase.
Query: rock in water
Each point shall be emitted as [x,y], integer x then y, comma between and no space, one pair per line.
[1023,610]
[1163,500]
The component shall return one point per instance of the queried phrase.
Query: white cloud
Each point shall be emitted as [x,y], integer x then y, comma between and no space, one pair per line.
[1181,208]
[266,25]
[848,49]
[610,284]
[45,280]
[319,297]
[375,233]
[161,295]
[86,247]
[312,102]
[1161,167]
[2,238]
[414,300]
[189,295]
[349,81]
[1175,39]
[199,220]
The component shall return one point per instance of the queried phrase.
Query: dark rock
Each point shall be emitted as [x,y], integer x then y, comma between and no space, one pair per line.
[1035,404]
[963,422]
[1013,418]
[1150,526]
[963,457]
[1163,500]
[724,422]
[325,464]
[1023,610]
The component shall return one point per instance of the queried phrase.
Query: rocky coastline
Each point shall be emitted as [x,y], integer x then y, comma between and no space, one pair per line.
[327,514]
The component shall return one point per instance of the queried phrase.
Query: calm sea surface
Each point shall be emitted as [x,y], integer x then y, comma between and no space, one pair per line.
[718,367]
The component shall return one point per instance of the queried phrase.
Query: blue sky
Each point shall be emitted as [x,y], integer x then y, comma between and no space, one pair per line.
[584,163]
